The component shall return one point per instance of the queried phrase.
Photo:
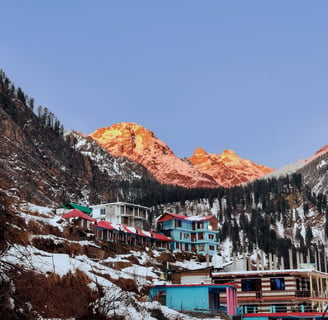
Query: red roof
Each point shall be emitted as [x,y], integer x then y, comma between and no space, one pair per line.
[75,213]
[169,216]
[161,237]
[105,225]
[132,230]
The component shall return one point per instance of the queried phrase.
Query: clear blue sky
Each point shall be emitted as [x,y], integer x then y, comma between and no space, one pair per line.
[251,76]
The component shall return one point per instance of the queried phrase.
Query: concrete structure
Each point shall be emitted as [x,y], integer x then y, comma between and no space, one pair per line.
[204,298]
[190,233]
[269,294]
[129,214]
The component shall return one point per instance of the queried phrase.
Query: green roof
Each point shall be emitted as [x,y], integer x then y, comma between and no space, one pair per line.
[84,209]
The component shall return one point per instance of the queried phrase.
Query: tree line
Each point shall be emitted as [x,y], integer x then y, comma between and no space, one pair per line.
[15,102]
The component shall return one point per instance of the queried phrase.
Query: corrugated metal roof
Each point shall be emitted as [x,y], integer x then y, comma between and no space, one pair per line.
[70,205]
[170,216]
[75,213]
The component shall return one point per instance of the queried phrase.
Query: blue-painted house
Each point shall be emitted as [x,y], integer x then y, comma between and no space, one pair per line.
[190,233]
[206,298]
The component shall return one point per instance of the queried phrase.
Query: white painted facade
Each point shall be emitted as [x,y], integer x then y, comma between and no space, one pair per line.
[129,214]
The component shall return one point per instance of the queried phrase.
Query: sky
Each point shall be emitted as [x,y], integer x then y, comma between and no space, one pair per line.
[251,76]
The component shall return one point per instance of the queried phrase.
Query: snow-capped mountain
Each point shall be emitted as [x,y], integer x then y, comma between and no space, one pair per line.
[202,170]
[141,145]
[227,169]
[115,167]
[313,169]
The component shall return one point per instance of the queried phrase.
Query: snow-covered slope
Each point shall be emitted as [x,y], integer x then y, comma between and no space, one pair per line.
[116,282]
[313,170]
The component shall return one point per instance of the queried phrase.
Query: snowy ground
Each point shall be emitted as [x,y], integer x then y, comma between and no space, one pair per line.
[122,302]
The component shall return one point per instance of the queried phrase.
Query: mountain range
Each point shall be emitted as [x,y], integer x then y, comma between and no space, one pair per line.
[202,170]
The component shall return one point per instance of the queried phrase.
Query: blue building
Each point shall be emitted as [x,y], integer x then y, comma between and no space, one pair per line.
[206,298]
[190,233]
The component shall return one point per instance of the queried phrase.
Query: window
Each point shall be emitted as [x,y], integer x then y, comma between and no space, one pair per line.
[186,235]
[211,236]
[251,285]
[277,283]
[249,308]
[178,223]
[201,247]
[200,225]
[102,211]
[211,248]
[200,236]
[279,308]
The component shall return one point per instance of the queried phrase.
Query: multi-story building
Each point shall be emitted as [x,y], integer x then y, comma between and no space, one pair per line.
[283,294]
[129,214]
[190,233]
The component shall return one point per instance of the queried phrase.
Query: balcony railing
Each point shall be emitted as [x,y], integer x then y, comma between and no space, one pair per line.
[283,294]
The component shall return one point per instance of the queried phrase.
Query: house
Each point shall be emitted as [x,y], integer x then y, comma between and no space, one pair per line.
[284,294]
[124,213]
[68,206]
[203,298]
[190,233]
[107,231]
[194,276]
[81,218]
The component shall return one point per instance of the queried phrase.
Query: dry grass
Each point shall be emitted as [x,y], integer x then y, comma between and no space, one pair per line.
[54,296]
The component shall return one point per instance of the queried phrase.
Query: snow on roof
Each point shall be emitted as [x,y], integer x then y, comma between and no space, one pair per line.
[199,218]
[105,225]
[75,213]
[128,229]
[161,237]
[261,272]
[169,216]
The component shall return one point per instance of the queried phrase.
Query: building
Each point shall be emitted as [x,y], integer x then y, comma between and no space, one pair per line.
[283,294]
[129,214]
[68,206]
[190,233]
[197,298]
[81,219]
[194,276]
[107,231]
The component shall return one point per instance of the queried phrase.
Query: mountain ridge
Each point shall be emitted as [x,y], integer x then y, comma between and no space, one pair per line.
[201,170]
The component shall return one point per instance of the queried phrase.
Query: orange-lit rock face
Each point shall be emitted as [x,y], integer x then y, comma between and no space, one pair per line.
[206,170]
[227,169]
[141,145]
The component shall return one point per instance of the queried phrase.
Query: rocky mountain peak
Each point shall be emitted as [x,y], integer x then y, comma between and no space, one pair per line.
[203,170]
[228,169]
[141,145]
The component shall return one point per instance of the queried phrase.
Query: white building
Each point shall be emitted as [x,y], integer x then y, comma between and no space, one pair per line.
[132,215]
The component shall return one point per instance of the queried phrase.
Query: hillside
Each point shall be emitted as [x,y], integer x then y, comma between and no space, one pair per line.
[50,269]
[39,164]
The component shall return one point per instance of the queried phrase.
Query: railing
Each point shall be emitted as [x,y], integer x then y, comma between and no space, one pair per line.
[283,294]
